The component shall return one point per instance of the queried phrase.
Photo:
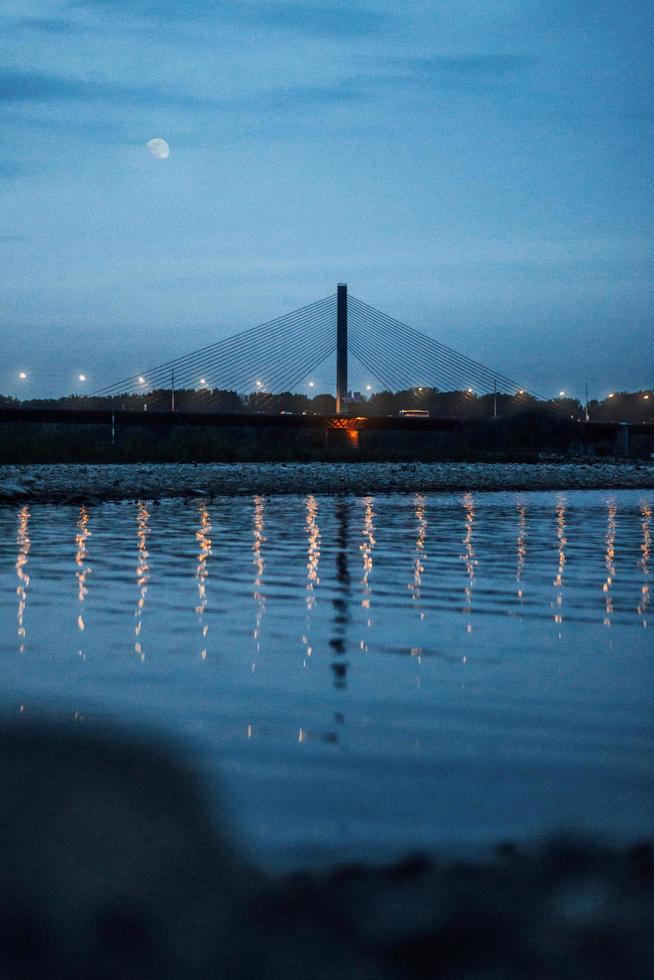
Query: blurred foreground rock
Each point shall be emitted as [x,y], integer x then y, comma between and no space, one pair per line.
[112,865]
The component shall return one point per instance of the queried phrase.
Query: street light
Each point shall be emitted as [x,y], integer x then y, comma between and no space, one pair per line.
[141,379]
[22,375]
[562,394]
[369,388]
[82,377]
[612,394]
[203,381]
[312,384]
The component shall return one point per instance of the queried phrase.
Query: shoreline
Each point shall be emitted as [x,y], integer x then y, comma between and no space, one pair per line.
[74,482]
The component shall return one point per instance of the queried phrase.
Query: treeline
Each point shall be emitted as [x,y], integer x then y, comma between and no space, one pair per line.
[621,406]
[507,427]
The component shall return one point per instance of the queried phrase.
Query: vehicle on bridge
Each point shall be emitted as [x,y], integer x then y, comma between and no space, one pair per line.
[413,413]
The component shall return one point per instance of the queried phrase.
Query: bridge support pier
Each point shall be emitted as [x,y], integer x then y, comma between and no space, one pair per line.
[353,437]
[622,440]
[345,441]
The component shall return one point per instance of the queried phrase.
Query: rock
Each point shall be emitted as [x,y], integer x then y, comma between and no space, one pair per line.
[11,491]
[110,861]
[127,481]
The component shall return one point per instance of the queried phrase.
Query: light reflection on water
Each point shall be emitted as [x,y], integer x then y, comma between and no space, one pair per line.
[420,556]
[521,547]
[202,572]
[142,574]
[83,569]
[469,556]
[561,543]
[258,528]
[646,513]
[370,671]
[367,550]
[23,549]
[313,567]
[611,525]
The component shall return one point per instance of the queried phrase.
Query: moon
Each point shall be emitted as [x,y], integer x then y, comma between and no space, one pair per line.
[158,148]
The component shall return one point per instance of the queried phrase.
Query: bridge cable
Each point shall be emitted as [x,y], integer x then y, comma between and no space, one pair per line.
[237,365]
[227,342]
[447,368]
[474,368]
[225,357]
[387,355]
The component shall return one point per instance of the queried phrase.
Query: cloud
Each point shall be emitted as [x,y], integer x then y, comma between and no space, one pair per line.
[309,96]
[476,65]
[26,86]
[18,86]
[104,130]
[464,71]
[46,25]
[10,169]
[330,18]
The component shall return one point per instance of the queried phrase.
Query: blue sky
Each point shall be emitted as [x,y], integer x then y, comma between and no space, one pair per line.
[480,170]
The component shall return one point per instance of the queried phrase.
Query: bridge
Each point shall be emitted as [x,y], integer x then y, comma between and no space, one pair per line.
[276,356]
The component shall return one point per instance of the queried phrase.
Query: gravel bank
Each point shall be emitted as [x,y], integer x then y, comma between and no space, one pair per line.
[70,482]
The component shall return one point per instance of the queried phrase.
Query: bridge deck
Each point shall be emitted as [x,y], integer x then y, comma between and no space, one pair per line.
[123,417]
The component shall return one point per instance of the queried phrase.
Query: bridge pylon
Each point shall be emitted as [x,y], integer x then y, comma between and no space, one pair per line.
[341,348]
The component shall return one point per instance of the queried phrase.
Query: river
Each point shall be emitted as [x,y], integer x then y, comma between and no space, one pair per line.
[356,676]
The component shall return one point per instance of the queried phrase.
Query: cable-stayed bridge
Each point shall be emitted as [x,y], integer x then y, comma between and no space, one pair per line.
[277,356]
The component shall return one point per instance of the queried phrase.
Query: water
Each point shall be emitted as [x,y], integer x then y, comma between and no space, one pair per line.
[367,675]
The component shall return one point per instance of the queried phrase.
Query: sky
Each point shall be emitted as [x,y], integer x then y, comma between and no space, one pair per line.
[479,170]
